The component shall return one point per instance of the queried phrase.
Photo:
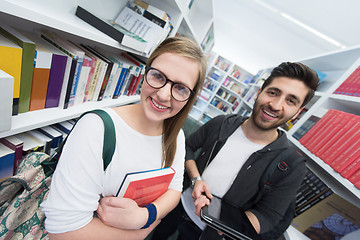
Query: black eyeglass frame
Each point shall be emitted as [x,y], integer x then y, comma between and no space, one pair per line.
[147,69]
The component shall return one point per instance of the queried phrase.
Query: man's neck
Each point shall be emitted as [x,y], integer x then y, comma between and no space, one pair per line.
[258,135]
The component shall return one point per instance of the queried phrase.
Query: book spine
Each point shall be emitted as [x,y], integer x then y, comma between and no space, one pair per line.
[56,78]
[105,82]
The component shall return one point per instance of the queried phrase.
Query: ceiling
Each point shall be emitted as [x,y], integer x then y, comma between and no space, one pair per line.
[256,34]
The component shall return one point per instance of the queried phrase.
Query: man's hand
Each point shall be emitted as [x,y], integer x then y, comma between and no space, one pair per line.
[201,188]
[122,213]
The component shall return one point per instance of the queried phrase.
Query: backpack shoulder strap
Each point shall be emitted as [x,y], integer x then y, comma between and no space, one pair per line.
[277,169]
[108,144]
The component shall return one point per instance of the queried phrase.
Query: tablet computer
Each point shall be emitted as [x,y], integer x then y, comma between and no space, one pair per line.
[235,225]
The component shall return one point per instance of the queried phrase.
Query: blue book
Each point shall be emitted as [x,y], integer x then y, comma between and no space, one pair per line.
[123,74]
[7,157]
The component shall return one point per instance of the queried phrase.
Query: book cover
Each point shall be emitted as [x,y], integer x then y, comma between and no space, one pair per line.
[6,100]
[23,90]
[332,218]
[114,31]
[83,80]
[123,75]
[16,145]
[40,80]
[7,157]
[10,62]
[100,90]
[146,186]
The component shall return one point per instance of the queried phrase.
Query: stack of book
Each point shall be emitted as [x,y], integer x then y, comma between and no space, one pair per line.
[61,73]
[351,86]
[335,138]
[139,25]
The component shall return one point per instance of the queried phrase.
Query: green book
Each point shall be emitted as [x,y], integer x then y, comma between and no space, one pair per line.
[26,67]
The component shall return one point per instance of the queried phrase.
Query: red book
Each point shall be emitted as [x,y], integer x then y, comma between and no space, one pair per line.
[357,184]
[341,144]
[347,156]
[142,71]
[327,131]
[355,178]
[322,129]
[339,131]
[314,130]
[145,187]
[351,169]
[16,145]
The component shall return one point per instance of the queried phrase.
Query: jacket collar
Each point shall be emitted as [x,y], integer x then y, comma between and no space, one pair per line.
[231,122]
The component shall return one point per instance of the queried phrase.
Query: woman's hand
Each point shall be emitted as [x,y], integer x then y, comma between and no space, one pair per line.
[122,213]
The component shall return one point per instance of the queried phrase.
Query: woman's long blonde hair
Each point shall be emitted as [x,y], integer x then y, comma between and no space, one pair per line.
[181,46]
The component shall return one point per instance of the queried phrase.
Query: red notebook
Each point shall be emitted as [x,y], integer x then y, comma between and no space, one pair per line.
[145,187]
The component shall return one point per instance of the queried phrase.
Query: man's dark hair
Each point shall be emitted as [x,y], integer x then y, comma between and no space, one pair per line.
[296,71]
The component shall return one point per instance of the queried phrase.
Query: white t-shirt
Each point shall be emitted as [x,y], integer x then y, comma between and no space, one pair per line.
[79,178]
[222,171]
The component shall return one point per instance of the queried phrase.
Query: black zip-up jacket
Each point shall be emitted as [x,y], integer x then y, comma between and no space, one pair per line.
[271,207]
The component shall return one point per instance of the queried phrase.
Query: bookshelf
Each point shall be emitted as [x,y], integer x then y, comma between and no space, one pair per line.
[224,86]
[59,17]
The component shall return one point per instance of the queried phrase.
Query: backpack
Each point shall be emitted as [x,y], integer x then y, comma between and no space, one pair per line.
[22,194]
[276,170]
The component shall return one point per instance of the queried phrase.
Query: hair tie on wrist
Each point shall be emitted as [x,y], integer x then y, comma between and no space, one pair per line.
[152,215]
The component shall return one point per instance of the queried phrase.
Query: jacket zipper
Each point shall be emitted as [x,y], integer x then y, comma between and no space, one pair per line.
[212,150]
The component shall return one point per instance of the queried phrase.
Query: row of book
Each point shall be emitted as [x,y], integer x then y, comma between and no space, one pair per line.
[50,71]
[351,86]
[219,105]
[321,213]
[45,139]
[233,86]
[222,63]
[335,138]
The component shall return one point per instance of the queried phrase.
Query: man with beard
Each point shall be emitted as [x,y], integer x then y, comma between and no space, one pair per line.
[234,153]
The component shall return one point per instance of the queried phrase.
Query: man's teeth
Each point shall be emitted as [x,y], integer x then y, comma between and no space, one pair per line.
[157,105]
[271,115]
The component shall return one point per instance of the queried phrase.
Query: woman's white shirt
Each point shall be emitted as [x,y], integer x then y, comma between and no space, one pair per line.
[79,178]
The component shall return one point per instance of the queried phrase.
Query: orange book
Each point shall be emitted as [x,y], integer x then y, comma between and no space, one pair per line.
[39,88]
[146,186]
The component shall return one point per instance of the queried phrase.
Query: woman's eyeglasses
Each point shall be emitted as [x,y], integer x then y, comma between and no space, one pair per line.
[157,79]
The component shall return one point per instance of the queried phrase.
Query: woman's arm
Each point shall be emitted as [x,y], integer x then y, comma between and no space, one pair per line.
[123,213]
[96,229]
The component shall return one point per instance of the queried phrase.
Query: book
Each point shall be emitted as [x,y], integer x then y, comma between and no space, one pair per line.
[100,88]
[65,126]
[40,80]
[114,78]
[332,218]
[146,186]
[10,62]
[83,80]
[16,145]
[6,100]
[55,135]
[77,57]
[113,30]
[31,144]
[7,157]
[123,75]
[23,89]
[143,23]
[47,141]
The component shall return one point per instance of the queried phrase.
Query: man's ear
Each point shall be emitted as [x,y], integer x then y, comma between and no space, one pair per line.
[257,95]
[297,113]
